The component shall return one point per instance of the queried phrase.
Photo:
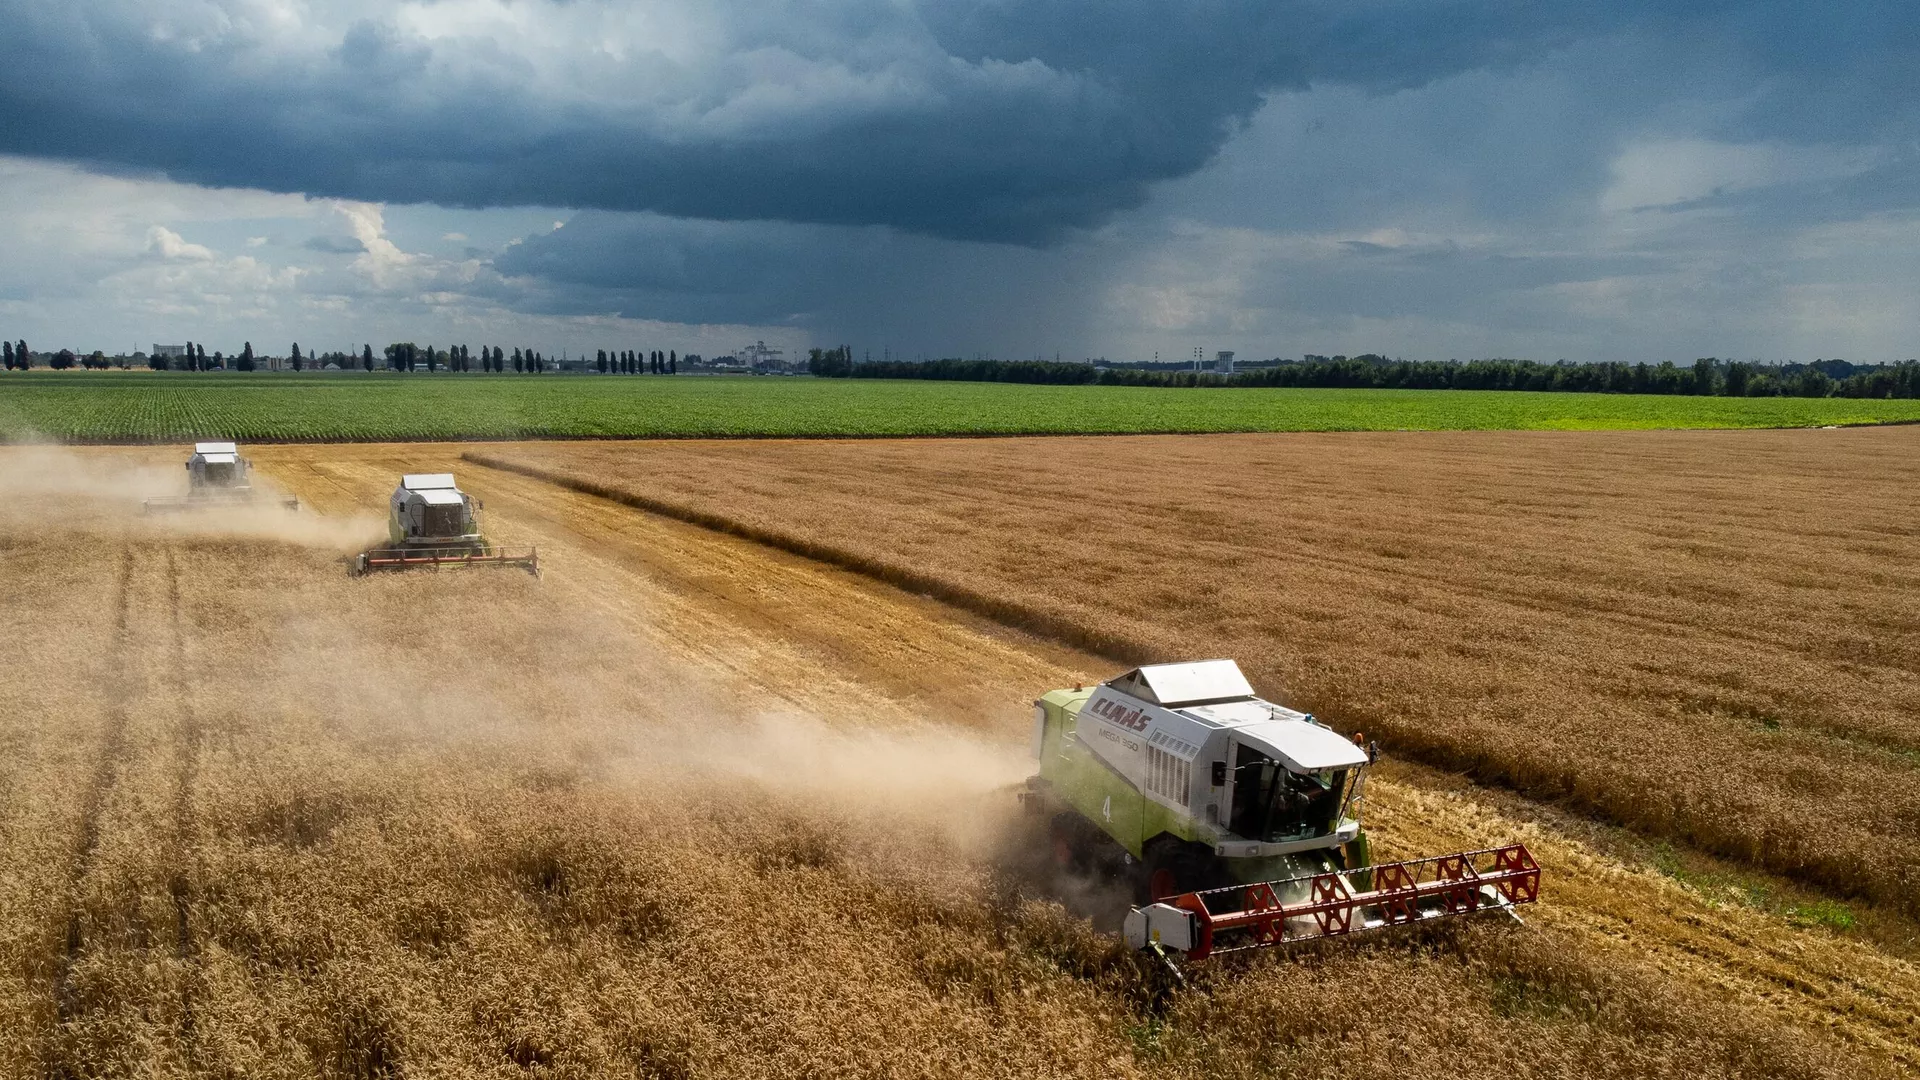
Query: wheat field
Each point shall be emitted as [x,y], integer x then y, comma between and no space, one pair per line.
[1706,636]
[686,806]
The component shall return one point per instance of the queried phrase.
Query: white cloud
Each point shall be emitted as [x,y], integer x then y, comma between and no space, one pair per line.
[101,262]
[168,245]
[1666,172]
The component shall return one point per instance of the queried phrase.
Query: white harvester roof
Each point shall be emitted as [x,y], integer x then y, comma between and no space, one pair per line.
[439,497]
[1197,683]
[1306,747]
[1194,700]
[215,448]
[436,481]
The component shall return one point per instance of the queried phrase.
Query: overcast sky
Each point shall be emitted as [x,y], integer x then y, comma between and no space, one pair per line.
[1424,178]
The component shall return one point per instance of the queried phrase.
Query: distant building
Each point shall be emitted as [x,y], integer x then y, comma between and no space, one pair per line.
[169,351]
[760,357]
[1223,362]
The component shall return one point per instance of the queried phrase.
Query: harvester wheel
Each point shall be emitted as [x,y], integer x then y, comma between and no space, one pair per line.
[1170,869]
[1069,852]
[1162,883]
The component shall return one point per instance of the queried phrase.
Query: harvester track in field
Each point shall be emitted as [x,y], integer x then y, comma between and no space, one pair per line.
[187,740]
[117,681]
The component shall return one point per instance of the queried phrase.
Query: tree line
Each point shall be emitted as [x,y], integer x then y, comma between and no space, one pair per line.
[1707,375]
[401,356]
[635,362]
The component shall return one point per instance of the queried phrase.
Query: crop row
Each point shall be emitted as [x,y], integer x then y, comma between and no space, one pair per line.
[102,407]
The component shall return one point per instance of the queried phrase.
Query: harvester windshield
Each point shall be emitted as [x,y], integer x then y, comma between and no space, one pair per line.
[1273,804]
[220,473]
[445,519]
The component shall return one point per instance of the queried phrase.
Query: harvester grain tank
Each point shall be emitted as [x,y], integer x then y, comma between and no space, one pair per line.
[432,524]
[217,476]
[1237,819]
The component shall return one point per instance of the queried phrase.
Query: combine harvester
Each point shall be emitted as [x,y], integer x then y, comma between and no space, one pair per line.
[217,476]
[1237,819]
[432,524]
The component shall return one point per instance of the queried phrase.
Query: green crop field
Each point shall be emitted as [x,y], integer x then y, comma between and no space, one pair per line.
[150,407]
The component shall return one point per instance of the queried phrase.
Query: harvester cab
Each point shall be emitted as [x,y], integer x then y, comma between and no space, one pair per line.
[216,476]
[1237,819]
[430,510]
[218,466]
[431,524]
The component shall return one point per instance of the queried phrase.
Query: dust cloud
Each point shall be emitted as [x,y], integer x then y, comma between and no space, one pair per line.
[921,779]
[530,673]
[532,676]
[52,470]
[44,485]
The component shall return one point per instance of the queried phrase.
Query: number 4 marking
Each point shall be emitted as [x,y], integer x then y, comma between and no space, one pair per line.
[1106,808]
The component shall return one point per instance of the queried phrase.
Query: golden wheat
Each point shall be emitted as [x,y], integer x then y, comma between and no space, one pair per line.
[263,819]
[1707,636]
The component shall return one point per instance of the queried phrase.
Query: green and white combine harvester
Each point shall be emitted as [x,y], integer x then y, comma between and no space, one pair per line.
[217,477]
[1237,820]
[432,525]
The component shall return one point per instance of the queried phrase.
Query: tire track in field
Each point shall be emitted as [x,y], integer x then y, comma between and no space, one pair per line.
[782,597]
[119,688]
[341,496]
[186,754]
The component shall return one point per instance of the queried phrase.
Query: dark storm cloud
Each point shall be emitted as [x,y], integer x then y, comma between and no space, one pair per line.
[692,271]
[995,119]
[838,282]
